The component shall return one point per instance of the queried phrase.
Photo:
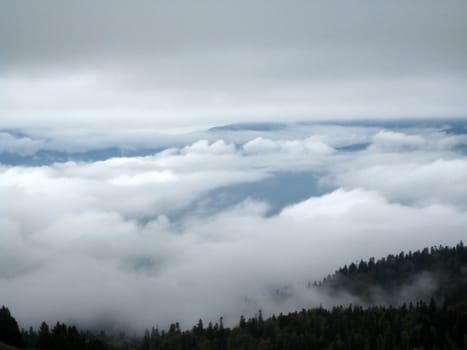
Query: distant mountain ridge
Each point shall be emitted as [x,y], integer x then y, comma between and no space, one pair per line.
[265,126]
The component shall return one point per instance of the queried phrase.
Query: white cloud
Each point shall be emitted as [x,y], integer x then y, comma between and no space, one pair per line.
[261,145]
[311,145]
[155,273]
[23,146]
[417,183]
[95,241]
[388,140]
[202,146]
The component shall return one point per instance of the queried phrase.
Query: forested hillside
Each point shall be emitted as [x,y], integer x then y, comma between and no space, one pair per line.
[438,272]
[438,321]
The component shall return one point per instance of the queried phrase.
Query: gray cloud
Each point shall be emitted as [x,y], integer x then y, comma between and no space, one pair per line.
[52,30]
[181,64]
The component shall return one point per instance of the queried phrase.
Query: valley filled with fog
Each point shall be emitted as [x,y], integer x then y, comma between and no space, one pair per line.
[141,228]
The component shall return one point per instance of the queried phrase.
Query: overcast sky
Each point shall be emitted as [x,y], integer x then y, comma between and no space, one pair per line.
[185,64]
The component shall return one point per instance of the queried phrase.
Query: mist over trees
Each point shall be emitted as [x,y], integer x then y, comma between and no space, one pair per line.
[438,272]
[436,321]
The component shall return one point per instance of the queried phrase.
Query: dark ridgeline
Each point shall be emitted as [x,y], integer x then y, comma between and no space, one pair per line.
[438,272]
[438,321]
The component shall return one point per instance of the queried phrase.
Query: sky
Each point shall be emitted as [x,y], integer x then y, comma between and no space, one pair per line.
[169,161]
[178,65]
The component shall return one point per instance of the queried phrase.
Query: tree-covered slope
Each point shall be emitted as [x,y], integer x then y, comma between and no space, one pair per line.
[439,272]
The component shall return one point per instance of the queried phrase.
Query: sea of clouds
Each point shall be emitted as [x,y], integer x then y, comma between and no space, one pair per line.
[182,233]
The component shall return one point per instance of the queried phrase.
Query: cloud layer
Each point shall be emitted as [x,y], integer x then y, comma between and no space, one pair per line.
[135,241]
